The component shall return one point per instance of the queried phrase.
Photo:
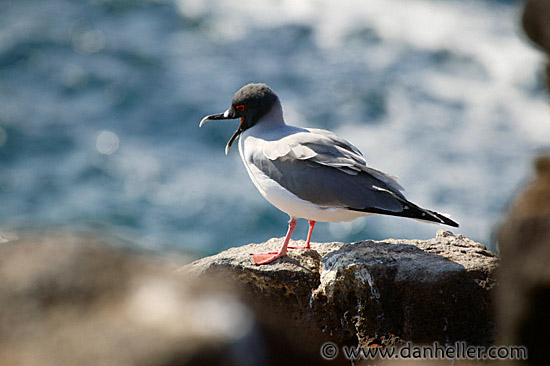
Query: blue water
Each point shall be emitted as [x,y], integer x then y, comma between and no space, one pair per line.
[100,103]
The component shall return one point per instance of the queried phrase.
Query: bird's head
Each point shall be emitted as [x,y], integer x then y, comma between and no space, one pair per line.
[250,104]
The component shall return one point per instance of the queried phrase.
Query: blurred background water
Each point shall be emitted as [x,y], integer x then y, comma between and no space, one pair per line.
[100,103]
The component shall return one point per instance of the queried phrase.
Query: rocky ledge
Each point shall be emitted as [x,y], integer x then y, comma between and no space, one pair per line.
[74,299]
[369,293]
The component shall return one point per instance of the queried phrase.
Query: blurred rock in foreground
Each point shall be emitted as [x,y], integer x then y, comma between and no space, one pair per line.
[68,300]
[369,293]
[536,23]
[524,277]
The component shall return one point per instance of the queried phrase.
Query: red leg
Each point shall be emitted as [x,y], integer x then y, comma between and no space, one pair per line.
[264,258]
[310,231]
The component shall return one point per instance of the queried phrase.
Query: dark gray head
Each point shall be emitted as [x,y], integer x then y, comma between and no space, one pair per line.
[250,104]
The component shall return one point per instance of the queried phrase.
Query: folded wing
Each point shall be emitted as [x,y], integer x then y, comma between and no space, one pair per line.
[336,175]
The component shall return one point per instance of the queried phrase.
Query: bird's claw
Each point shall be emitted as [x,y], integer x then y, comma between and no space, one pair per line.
[264,258]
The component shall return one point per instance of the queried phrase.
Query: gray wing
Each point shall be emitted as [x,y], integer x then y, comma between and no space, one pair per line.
[336,174]
[322,168]
[325,148]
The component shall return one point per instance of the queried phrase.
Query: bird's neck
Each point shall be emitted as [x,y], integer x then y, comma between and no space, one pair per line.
[273,118]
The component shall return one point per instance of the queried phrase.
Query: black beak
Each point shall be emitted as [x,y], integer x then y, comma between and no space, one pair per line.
[221,116]
[214,117]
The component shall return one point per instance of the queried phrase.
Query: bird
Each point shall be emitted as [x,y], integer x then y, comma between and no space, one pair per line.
[309,173]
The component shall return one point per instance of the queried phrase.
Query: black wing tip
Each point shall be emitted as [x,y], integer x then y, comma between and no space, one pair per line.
[412,211]
[445,220]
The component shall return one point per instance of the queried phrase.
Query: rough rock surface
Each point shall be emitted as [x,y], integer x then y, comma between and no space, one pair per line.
[368,293]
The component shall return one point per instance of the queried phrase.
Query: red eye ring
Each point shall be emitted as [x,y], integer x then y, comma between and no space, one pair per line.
[240,108]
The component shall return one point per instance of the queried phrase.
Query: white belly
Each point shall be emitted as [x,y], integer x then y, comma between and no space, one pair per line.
[291,204]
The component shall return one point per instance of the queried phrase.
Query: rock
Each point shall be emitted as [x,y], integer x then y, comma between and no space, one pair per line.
[534,199]
[524,292]
[536,24]
[73,300]
[67,299]
[368,293]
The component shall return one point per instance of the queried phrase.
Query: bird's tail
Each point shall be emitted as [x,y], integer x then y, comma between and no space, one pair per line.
[410,210]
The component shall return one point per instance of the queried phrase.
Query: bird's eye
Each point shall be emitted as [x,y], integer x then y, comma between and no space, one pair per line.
[240,108]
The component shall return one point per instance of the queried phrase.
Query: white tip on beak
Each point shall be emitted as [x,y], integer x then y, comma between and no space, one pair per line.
[203,121]
[223,116]
[214,117]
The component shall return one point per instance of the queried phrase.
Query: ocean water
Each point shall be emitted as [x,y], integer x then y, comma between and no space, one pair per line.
[100,103]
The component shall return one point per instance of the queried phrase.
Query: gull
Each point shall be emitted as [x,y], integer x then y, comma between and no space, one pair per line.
[309,173]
